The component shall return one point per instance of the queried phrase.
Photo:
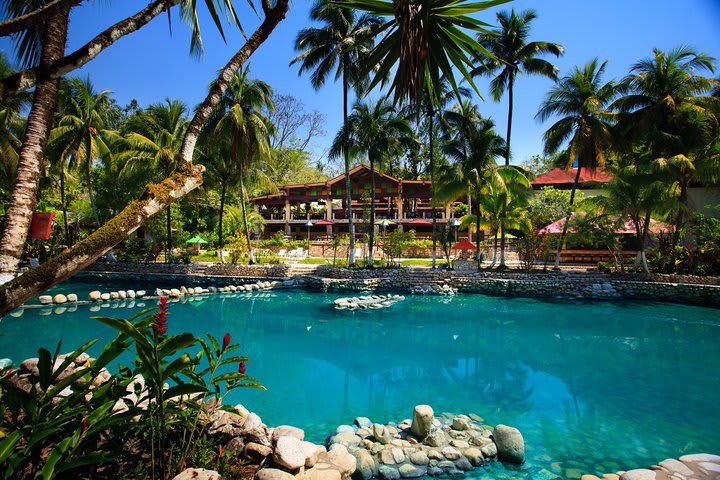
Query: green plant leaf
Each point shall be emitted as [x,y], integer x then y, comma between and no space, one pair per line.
[44,368]
[177,342]
[184,389]
[8,444]
[48,470]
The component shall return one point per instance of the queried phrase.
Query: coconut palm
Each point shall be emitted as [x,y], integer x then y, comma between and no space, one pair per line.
[670,110]
[581,101]
[84,128]
[239,117]
[154,137]
[341,44]
[376,131]
[514,55]
[12,125]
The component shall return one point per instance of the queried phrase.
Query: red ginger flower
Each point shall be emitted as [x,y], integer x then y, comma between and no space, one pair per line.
[241,368]
[84,427]
[160,320]
[226,341]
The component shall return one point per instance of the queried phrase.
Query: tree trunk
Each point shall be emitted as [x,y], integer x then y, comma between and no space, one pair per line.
[372,211]
[63,266]
[348,192]
[88,179]
[186,178]
[245,219]
[477,232]
[63,203]
[511,83]
[642,259]
[561,241]
[681,213]
[495,249]
[223,190]
[431,113]
[24,195]
[168,235]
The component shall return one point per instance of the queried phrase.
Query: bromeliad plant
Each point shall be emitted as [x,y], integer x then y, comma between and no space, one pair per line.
[77,416]
[175,411]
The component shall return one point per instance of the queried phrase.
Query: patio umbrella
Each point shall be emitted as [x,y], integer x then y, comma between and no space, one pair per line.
[324,222]
[464,245]
[419,221]
[309,224]
[384,223]
[197,240]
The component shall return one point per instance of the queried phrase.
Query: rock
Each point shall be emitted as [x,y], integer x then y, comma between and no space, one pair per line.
[589,477]
[461,444]
[460,423]
[198,474]
[381,434]
[114,295]
[489,450]
[347,439]
[366,467]
[105,296]
[122,294]
[419,457]
[342,459]
[45,299]
[611,476]
[436,439]
[252,421]
[363,422]
[638,474]
[435,455]
[72,297]
[510,444]
[411,471]
[273,474]
[94,296]
[388,473]
[364,432]
[435,471]
[289,452]
[700,457]
[451,453]
[323,471]
[256,452]
[241,410]
[386,457]
[422,420]
[226,423]
[312,452]
[398,454]
[676,466]
[30,365]
[344,429]
[140,293]
[463,464]
[257,435]
[475,456]
[235,446]
[131,294]
[287,430]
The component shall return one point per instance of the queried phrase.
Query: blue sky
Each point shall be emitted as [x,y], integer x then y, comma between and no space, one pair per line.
[150,64]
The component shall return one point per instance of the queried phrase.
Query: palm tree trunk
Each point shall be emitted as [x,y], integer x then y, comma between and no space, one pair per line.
[245,219]
[681,213]
[348,192]
[372,211]
[168,235]
[495,249]
[24,195]
[63,202]
[220,219]
[477,232]
[88,168]
[432,185]
[511,82]
[561,241]
[643,239]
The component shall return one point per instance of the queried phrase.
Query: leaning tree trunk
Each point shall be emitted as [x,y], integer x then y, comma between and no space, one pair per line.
[245,219]
[511,82]
[223,190]
[88,179]
[63,202]
[561,241]
[186,178]
[348,192]
[372,212]
[24,195]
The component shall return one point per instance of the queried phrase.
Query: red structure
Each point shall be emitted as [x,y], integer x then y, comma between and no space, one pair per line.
[40,226]
[563,179]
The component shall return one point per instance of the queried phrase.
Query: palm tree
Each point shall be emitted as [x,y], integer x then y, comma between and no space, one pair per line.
[154,137]
[239,117]
[377,131]
[581,100]
[84,128]
[342,44]
[514,55]
[670,110]
[12,125]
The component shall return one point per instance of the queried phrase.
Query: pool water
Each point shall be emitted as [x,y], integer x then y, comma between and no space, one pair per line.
[593,387]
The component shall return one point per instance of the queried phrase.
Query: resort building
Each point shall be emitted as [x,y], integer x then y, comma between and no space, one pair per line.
[405,203]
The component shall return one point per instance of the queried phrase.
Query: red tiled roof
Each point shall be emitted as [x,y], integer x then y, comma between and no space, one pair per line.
[560,176]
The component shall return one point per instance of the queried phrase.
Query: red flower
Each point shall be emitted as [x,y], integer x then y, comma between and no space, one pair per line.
[84,427]
[160,318]
[241,368]
[219,450]
[226,341]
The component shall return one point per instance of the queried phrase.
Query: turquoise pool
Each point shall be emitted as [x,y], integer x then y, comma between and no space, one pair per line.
[594,387]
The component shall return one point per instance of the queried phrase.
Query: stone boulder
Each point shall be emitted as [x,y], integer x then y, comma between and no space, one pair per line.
[422,421]
[256,452]
[510,444]
[289,431]
[273,474]
[45,299]
[381,434]
[94,296]
[226,423]
[366,466]
[198,474]
[289,452]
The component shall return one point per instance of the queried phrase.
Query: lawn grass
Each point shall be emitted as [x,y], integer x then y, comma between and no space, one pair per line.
[205,257]
[417,261]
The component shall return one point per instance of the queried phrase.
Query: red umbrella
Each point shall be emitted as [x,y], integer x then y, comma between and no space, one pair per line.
[464,245]
[324,222]
[419,221]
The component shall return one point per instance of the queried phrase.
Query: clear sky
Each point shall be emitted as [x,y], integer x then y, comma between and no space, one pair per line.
[150,64]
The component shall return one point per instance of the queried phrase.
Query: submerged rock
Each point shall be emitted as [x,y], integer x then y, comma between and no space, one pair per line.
[422,421]
[510,444]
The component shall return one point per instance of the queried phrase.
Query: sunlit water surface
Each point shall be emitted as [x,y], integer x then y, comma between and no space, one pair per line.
[594,387]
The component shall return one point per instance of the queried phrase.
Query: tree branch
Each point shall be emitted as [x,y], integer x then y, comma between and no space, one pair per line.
[22,22]
[27,78]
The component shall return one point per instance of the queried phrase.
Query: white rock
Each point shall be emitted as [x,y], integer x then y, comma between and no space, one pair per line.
[60,298]
[198,474]
[122,294]
[105,296]
[273,474]
[638,474]
[289,452]
[140,293]
[131,294]
[114,295]
[94,295]
[45,299]
[289,431]
[252,421]
[72,297]
[422,420]
[510,444]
